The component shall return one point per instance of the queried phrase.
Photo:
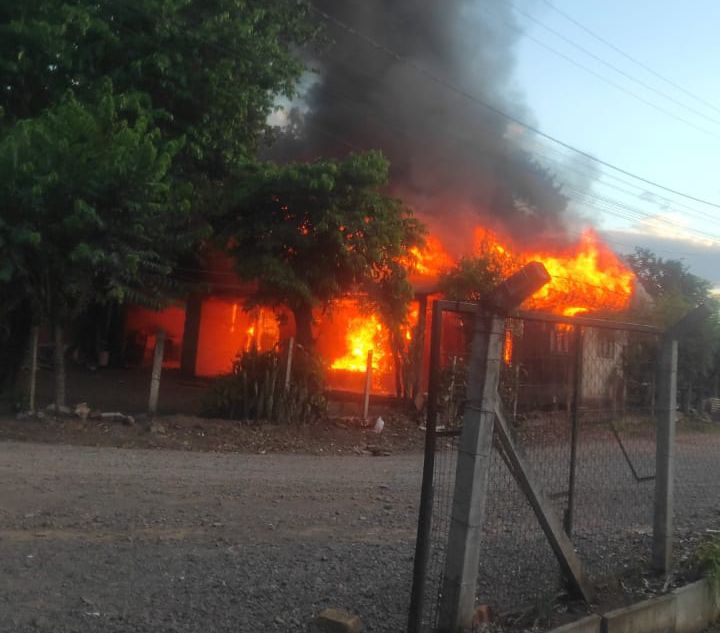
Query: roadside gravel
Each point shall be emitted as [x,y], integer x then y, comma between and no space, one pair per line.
[136,540]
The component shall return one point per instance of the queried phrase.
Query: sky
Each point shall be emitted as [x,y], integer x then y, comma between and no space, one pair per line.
[659,132]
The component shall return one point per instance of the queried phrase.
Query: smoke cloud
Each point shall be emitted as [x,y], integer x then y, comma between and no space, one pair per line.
[454,162]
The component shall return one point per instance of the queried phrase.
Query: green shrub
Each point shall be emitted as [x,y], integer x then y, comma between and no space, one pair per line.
[708,556]
[255,389]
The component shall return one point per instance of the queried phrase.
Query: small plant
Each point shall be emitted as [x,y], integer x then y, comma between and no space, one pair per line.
[708,557]
[254,391]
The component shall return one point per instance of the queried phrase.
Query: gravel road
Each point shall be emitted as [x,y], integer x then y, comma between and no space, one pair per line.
[136,540]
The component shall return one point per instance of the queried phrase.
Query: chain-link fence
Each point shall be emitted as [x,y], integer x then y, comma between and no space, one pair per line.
[580,398]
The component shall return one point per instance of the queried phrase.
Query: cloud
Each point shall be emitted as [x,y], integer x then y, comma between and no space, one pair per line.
[701,257]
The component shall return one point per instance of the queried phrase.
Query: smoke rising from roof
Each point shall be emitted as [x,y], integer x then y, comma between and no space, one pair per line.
[453,162]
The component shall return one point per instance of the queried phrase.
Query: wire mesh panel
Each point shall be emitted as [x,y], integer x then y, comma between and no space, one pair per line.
[697,473]
[579,398]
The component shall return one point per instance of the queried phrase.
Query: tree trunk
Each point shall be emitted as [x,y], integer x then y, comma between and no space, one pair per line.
[32,382]
[59,368]
[303,326]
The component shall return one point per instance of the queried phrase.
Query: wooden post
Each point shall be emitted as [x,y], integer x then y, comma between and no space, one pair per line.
[59,358]
[471,475]
[288,365]
[665,455]
[34,337]
[419,347]
[368,381]
[156,371]
[191,334]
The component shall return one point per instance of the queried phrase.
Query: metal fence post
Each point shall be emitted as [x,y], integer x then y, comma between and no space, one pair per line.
[574,405]
[665,455]
[427,493]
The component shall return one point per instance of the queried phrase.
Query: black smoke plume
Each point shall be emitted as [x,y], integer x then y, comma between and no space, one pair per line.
[453,161]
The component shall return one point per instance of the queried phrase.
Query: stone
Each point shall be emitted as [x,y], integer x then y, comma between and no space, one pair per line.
[336,621]
[82,410]
[157,428]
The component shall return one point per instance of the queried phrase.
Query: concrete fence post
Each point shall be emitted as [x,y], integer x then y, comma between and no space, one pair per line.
[665,455]
[476,447]
[156,371]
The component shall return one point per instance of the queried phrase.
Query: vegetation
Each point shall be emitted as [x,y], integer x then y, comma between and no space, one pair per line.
[310,232]
[255,391]
[119,122]
[708,556]
[89,214]
[210,71]
[674,291]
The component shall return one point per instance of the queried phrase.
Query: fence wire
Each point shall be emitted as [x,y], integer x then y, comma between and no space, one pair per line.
[580,402]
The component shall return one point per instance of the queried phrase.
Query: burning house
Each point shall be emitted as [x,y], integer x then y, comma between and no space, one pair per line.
[207,333]
[457,164]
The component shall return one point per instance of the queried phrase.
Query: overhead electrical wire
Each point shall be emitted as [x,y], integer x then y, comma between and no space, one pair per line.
[396,128]
[608,64]
[461,92]
[449,85]
[631,58]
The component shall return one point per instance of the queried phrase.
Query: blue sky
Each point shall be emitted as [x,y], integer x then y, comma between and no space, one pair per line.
[680,42]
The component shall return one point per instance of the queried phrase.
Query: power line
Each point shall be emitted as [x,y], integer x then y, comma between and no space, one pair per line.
[635,214]
[597,180]
[495,110]
[586,199]
[396,127]
[615,85]
[607,64]
[629,57]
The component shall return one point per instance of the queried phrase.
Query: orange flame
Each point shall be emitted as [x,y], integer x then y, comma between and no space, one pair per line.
[585,278]
[363,335]
[508,347]
[430,260]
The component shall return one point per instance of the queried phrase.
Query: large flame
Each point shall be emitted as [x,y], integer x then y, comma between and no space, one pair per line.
[430,260]
[586,277]
[364,334]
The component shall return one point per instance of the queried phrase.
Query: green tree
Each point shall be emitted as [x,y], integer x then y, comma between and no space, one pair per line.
[475,276]
[88,210]
[211,70]
[674,291]
[206,73]
[310,232]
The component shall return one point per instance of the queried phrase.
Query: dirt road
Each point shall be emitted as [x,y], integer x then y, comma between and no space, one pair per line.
[104,539]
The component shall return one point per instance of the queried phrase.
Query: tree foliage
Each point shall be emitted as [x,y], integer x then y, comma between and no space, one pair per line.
[210,70]
[310,232]
[88,208]
[473,277]
[116,119]
[674,291]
